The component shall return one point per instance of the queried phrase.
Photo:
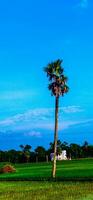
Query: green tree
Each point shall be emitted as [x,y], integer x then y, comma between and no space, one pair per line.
[26,152]
[75,150]
[41,153]
[59,148]
[85,149]
[57,86]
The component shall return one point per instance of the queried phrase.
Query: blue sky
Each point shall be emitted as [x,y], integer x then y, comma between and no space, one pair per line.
[32,34]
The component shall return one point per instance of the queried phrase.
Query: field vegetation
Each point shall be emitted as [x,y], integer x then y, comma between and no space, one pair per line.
[81,169]
[26,190]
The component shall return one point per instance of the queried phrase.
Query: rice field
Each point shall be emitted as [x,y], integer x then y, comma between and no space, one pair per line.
[71,170]
[27,190]
[22,186]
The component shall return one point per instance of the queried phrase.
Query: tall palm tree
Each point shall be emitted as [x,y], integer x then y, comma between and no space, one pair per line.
[57,86]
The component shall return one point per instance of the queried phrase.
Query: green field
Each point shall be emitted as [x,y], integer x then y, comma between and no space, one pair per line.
[46,190]
[74,169]
[49,190]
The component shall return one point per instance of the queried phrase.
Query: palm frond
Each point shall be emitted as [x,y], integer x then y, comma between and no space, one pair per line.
[56,78]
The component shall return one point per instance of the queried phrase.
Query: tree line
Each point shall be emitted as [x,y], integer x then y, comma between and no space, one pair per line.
[40,154]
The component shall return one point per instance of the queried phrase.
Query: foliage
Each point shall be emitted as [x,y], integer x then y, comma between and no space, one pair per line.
[25,152]
[46,190]
[57,79]
[59,148]
[41,153]
[73,150]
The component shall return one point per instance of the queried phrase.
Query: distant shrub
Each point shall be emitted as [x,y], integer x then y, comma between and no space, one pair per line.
[7,169]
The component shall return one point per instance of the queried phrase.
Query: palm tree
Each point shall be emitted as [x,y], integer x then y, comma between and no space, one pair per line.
[26,152]
[57,86]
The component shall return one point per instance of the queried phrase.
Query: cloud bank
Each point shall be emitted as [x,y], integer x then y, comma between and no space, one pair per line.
[41,118]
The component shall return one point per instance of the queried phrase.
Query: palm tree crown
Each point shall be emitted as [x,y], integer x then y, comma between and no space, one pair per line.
[57,79]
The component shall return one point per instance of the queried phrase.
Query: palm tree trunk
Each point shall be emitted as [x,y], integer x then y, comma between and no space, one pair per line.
[55,136]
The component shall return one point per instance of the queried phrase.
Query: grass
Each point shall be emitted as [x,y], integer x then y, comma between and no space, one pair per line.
[66,170]
[49,190]
[26,190]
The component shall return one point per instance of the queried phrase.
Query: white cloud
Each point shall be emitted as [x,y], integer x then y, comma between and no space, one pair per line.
[36,116]
[7,122]
[72,109]
[42,118]
[13,95]
[33,134]
[28,128]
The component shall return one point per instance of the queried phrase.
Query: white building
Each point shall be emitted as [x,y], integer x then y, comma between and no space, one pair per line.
[62,156]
